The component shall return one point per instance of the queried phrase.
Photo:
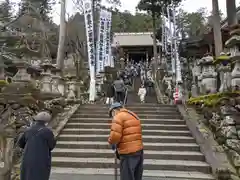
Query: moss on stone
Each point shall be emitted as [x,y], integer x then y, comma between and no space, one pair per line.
[3,82]
[212,100]
[222,58]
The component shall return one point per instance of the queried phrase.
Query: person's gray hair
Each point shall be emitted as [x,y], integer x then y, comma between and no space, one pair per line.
[43,116]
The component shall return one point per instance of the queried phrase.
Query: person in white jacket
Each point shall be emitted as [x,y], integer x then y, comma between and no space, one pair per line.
[142,93]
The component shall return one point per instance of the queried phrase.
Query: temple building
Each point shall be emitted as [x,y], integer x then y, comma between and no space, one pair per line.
[135,46]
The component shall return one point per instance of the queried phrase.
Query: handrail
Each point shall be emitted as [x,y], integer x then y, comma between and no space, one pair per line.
[125,98]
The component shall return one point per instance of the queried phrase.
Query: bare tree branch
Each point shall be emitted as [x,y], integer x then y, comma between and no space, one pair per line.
[78,4]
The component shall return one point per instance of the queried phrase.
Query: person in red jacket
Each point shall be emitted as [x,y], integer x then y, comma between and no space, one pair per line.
[126,136]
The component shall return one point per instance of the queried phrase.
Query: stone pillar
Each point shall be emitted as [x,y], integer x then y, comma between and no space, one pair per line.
[233,45]
[55,80]
[209,81]
[61,82]
[71,90]
[46,85]
[236,75]
[79,85]
[197,72]
[224,69]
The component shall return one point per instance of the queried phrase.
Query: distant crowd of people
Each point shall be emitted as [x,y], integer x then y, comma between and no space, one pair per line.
[116,91]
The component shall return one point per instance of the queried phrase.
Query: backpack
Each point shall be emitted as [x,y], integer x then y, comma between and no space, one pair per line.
[119,86]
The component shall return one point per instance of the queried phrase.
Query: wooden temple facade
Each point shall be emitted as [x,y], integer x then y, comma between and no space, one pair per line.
[134,46]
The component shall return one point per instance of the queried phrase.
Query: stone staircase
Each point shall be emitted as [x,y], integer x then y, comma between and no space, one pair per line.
[170,152]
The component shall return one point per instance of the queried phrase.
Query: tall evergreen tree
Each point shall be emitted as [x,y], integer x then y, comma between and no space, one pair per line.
[42,7]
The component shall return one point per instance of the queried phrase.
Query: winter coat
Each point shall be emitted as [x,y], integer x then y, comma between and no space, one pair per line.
[110,90]
[142,92]
[119,86]
[126,132]
[38,142]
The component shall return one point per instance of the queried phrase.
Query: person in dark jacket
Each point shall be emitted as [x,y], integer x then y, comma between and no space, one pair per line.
[119,88]
[109,93]
[38,141]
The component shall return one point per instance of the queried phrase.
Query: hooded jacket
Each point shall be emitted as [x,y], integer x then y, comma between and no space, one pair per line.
[126,132]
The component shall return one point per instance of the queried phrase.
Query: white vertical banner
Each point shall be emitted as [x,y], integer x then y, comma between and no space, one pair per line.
[112,61]
[88,16]
[100,55]
[108,39]
[171,37]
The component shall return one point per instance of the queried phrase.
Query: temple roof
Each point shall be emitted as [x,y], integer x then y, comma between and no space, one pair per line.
[132,39]
[224,22]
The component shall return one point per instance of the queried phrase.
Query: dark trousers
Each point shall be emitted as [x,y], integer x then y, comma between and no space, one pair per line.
[131,166]
[120,96]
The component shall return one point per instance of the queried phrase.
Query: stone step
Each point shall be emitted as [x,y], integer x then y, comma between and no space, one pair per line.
[108,153]
[106,132]
[149,164]
[132,104]
[170,151]
[106,115]
[144,126]
[147,146]
[154,139]
[156,109]
[133,108]
[59,173]
[138,112]
[103,111]
[143,120]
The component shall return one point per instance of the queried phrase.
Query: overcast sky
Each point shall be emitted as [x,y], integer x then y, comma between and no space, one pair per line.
[188,5]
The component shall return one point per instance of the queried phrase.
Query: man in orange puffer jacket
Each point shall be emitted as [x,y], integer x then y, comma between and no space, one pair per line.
[126,136]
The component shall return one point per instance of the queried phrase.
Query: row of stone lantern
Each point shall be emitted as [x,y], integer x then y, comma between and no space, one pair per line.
[226,67]
[208,70]
[46,76]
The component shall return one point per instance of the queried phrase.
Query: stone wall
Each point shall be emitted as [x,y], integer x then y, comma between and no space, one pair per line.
[222,119]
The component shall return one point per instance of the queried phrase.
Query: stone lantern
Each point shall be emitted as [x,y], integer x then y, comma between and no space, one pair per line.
[46,85]
[61,82]
[56,80]
[224,69]
[233,44]
[209,81]
[35,72]
[71,86]
[21,75]
[197,74]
